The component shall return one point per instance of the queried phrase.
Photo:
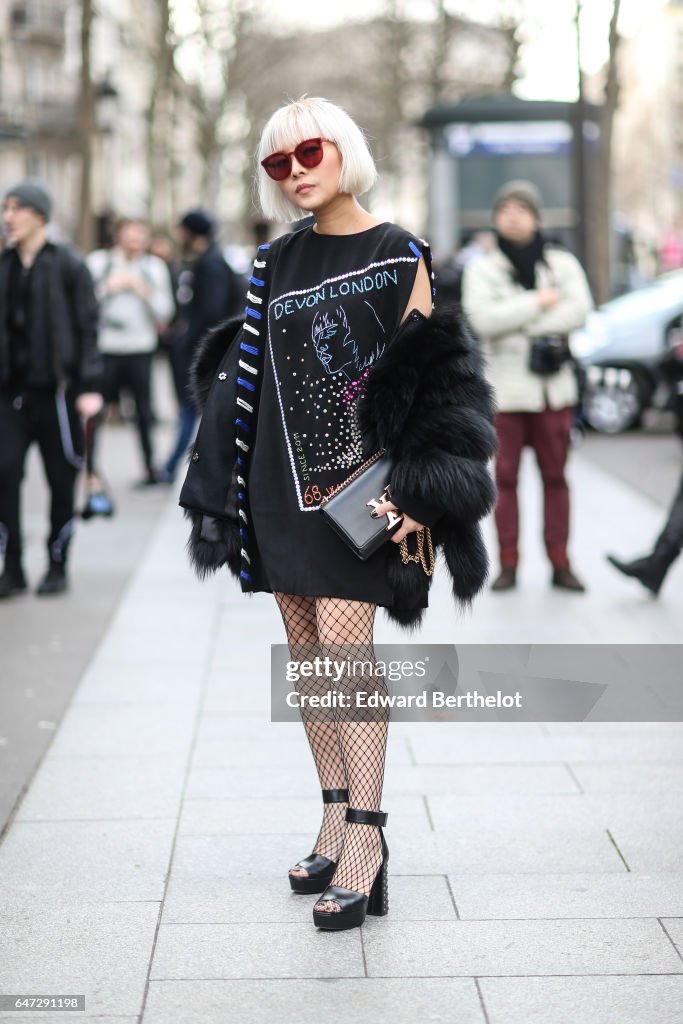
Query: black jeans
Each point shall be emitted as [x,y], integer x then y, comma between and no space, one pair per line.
[51,421]
[131,372]
[670,540]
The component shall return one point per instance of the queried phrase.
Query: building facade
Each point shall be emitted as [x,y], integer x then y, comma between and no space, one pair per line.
[648,135]
[159,150]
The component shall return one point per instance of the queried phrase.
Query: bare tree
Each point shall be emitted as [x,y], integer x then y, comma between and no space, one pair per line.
[86,233]
[161,46]
[385,73]
[602,226]
[217,87]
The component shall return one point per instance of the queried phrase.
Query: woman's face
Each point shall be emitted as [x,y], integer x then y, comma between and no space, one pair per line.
[313,189]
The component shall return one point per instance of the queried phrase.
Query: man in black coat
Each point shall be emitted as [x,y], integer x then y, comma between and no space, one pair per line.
[50,373]
[208,292]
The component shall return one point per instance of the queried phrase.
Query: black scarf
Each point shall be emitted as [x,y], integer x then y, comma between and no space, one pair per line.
[524,258]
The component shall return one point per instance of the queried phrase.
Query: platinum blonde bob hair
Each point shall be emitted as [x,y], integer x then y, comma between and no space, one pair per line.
[311,118]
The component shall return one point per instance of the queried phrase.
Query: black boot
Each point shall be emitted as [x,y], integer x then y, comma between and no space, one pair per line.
[12,581]
[54,581]
[650,571]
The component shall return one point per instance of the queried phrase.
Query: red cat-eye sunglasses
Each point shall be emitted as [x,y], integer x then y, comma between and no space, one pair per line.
[308,153]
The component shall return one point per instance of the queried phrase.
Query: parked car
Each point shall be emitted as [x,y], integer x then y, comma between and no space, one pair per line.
[620,352]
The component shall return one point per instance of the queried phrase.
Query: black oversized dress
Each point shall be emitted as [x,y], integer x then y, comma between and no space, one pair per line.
[334,303]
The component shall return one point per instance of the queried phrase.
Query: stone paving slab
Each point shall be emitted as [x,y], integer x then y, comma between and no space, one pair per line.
[174,686]
[497,897]
[66,1018]
[400,780]
[543,812]
[93,788]
[466,848]
[444,780]
[400,1001]
[246,950]
[229,695]
[292,751]
[674,926]
[148,638]
[606,810]
[135,731]
[91,860]
[232,856]
[221,725]
[100,950]
[256,815]
[592,728]
[649,845]
[625,778]
[652,999]
[454,731]
[195,895]
[570,947]
[634,747]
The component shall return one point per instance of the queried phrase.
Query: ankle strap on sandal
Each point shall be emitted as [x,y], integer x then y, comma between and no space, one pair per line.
[335,796]
[361,817]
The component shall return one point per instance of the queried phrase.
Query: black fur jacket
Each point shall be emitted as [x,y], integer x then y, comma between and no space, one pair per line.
[426,401]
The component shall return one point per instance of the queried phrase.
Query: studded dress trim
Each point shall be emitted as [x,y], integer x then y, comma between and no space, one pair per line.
[251,367]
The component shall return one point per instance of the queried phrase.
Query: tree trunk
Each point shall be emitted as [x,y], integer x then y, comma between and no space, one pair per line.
[159,171]
[602,221]
[86,227]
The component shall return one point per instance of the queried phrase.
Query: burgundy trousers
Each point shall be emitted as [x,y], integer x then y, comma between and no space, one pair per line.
[548,434]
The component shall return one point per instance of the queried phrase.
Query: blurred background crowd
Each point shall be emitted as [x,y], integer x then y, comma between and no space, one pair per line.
[140,118]
[148,108]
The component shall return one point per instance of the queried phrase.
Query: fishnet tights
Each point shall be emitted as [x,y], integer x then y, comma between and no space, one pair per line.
[348,754]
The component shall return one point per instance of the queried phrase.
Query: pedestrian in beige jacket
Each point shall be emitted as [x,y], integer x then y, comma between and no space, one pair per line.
[526,290]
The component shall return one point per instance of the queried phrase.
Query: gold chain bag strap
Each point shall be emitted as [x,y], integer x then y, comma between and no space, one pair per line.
[426,560]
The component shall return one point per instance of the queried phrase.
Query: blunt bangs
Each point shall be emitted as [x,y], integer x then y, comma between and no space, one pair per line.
[310,118]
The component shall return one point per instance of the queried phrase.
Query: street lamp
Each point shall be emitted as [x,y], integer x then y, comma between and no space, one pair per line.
[106,103]
[106,97]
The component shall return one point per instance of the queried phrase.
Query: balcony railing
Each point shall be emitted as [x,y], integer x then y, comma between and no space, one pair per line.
[38,21]
[53,118]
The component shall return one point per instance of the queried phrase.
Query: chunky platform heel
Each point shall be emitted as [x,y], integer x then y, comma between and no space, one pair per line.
[354,906]
[320,869]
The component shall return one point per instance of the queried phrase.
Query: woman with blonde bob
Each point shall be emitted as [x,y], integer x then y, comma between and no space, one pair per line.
[339,355]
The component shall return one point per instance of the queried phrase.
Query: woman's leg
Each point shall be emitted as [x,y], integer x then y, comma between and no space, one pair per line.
[299,615]
[345,631]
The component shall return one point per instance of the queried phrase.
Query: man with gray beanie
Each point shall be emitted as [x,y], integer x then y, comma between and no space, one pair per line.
[50,372]
[522,300]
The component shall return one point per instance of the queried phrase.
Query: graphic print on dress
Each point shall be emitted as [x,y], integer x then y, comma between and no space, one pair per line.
[323,342]
[342,350]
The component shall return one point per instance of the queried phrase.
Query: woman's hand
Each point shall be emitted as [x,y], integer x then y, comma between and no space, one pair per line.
[407,526]
[89,404]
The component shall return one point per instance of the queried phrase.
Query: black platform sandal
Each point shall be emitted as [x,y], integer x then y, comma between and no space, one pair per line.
[355,905]
[320,869]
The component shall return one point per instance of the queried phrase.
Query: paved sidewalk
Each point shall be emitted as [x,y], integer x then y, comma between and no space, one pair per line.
[536,869]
